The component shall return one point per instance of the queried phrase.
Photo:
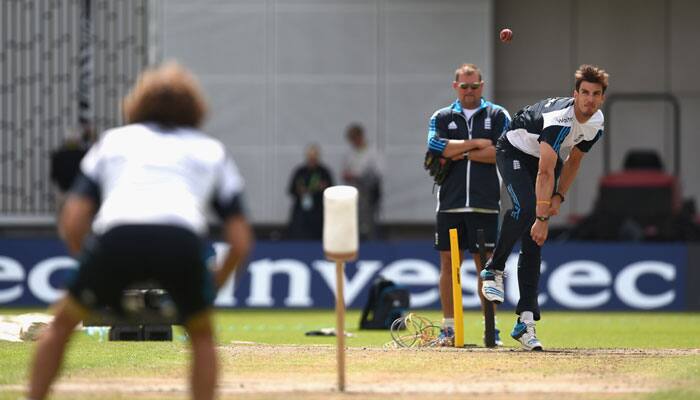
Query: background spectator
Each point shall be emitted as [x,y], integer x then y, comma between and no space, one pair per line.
[362,170]
[306,187]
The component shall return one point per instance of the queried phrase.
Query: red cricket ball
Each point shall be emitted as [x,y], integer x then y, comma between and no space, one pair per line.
[506,35]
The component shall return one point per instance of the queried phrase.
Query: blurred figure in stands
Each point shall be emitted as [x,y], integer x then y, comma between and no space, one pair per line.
[306,187]
[362,169]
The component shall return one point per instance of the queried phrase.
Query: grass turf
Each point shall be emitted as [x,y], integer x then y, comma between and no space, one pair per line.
[91,357]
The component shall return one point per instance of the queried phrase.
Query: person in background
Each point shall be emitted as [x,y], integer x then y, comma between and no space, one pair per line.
[306,186]
[362,169]
[137,212]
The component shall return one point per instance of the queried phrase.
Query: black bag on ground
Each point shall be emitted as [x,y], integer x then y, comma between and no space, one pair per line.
[387,302]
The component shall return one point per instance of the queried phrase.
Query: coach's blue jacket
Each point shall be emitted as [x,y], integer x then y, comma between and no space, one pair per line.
[470,186]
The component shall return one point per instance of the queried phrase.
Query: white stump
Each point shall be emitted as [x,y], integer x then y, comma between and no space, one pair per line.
[340,243]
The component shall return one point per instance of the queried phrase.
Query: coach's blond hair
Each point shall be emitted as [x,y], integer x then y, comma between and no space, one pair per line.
[592,74]
[467,69]
[168,95]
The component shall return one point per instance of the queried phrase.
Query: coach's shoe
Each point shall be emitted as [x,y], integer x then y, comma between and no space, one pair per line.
[525,334]
[492,285]
[446,337]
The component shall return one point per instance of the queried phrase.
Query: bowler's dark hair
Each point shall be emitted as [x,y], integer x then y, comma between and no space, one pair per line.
[168,95]
[592,74]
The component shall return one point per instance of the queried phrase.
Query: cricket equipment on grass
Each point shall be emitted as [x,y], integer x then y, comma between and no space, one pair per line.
[340,243]
[386,303]
[492,285]
[457,289]
[414,331]
[149,314]
[525,334]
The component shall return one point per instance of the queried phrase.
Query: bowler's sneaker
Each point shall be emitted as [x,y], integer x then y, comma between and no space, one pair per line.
[492,285]
[525,334]
[446,337]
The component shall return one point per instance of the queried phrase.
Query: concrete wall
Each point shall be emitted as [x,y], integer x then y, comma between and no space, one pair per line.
[282,74]
[646,46]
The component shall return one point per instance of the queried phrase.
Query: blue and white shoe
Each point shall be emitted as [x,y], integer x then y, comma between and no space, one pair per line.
[446,337]
[498,340]
[525,334]
[492,285]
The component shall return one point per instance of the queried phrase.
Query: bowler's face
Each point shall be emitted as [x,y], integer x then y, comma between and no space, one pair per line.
[466,93]
[589,98]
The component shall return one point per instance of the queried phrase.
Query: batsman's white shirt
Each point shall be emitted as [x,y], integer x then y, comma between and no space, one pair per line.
[148,175]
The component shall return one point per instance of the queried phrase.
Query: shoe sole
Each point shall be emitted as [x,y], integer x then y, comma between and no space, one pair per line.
[493,295]
[527,348]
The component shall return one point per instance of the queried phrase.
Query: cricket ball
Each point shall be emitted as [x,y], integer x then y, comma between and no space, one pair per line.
[506,35]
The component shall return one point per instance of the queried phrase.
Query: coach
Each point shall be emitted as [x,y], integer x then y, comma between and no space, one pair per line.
[468,199]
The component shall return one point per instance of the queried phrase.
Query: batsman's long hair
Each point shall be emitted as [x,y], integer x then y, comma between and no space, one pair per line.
[168,95]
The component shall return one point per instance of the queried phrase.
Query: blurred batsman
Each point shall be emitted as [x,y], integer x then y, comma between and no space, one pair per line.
[137,212]
[529,158]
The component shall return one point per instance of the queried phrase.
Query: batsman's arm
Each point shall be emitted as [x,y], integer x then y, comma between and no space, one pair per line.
[75,221]
[239,236]
[77,213]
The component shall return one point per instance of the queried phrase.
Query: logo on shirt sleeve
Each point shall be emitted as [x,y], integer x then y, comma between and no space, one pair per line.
[516,164]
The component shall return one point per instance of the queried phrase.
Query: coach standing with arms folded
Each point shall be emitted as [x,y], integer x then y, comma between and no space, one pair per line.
[144,188]
[529,159]
[468,199]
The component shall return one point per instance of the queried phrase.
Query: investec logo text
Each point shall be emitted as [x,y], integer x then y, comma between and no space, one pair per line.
[563,285]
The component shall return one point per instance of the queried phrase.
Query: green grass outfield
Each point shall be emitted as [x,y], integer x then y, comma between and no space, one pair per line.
[91,357]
